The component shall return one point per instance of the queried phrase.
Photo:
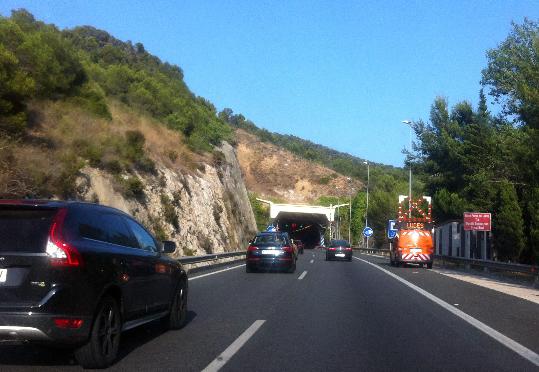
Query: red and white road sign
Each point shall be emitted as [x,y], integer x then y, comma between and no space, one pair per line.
[477,221]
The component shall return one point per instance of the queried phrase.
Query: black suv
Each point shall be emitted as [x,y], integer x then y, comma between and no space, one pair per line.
[271,250]
[78,274]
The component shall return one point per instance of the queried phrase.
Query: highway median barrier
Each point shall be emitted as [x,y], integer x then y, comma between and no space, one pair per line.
[198,263]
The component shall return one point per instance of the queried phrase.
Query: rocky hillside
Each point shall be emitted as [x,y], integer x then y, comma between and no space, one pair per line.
[273,172]
[197,200]
[86,116]
[204,209]
[204,212]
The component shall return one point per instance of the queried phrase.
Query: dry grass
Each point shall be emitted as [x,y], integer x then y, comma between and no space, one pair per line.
[165,146]
[62,138]
[274,172]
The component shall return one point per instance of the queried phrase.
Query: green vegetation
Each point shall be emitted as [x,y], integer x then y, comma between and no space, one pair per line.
[340,162]
[260,211]
[156,226]
[35,62]
[131,74]
[169,211]
[471,160]
[83,69]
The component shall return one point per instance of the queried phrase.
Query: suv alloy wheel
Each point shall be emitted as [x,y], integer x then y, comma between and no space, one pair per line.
[102,348]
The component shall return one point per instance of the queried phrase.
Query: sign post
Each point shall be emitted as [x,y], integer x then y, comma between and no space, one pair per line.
[391,230]
[474,221]
[367,232]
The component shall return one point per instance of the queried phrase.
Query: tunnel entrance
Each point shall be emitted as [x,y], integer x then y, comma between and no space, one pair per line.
[307,223]
[307,227]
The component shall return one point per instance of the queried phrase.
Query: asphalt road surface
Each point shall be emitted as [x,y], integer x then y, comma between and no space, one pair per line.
[362,315]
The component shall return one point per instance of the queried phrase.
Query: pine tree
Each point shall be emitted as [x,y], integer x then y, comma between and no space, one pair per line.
[531,252]
[508,223]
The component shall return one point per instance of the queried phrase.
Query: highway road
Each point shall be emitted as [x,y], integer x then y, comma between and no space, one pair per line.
[362,315]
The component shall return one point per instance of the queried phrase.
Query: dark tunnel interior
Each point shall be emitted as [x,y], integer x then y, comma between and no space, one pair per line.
[303,226]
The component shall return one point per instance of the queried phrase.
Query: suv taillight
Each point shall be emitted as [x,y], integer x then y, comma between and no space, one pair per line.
[288,249]
[252,248]
[61,253]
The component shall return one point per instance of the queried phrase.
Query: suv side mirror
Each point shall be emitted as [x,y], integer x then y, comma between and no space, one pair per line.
[168,246]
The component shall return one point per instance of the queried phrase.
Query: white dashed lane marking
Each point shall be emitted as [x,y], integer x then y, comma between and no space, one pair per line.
[215,272]
[234,347]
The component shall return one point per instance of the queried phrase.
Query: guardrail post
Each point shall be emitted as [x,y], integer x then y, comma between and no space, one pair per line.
[485,269]
[536,281]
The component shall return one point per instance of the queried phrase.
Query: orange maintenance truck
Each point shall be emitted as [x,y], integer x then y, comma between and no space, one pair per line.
[413,242]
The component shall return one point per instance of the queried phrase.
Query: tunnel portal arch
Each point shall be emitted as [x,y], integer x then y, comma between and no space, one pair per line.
[307,223]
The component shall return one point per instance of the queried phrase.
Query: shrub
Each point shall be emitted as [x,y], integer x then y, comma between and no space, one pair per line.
[130,187]
[157,228]
[324,180]
[169,211]
[172,155]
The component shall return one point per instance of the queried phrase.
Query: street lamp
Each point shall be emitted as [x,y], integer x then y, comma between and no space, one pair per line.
[349,209]
[335,207]
[367,208]
[409,123]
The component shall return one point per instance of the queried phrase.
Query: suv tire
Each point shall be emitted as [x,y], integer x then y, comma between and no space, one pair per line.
[178,309]
[101,349]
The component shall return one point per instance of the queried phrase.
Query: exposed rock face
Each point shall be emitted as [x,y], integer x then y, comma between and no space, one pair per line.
[273,172]
[212,206]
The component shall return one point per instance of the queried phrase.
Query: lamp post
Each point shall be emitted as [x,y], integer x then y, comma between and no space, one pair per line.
[367,207]
[336,207]
[409,123]
[349,210]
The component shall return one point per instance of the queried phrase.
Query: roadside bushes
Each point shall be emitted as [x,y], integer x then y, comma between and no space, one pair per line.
[117,153]
[85,65]
[27,171]
[169,211]
[37,62]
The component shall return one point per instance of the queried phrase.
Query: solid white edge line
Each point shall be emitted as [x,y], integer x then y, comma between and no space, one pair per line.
[229,352]
[302,275]
[215,272]
[504,340]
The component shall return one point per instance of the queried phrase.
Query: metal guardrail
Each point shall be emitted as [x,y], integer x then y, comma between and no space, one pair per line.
[494,265]
[383,252]
[529,270]
[468,262]
[209,257]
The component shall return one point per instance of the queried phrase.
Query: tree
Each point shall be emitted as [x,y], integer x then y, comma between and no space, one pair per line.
[15,89]
[508,223]
[530,254]
[513,73]
[359,204]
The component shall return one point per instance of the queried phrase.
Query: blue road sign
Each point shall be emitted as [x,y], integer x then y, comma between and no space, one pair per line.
[367,232]
[391,230]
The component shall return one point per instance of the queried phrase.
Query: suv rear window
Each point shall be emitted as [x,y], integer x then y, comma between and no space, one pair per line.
[269,239]
[25,229]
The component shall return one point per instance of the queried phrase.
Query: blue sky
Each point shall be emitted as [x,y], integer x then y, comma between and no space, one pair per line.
[340,73]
